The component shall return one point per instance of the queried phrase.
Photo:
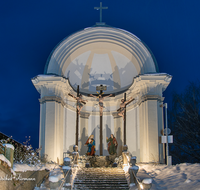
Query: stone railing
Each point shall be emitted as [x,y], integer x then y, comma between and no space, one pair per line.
[8,151]
[2,149]
[70,168]
[142,181]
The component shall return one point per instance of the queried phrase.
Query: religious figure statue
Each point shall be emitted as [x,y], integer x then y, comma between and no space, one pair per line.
[80,102]
[112,144]
[123,106]
[91,146]
[101,98]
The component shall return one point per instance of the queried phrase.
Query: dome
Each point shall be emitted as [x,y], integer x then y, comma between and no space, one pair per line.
[101,55]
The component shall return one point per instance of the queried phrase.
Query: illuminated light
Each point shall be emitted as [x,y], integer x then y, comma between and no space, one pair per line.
[141,186]
[126,167]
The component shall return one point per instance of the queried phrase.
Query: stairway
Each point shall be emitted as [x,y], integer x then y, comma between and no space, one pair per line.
[100,178]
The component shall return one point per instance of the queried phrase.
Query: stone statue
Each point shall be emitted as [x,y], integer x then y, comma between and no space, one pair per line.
[112,144]
[91,146]
[123,106]
[80,102]
[101,98]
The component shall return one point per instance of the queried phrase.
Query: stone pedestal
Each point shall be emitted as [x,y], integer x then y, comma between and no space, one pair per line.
[87,165]
[67,161]
[133,161]
[125,148]
[133,169]
[126,158]
[145,178]
[67,171]
[55,178]
[75,154]
[147,183]
[9,152]
[54,185]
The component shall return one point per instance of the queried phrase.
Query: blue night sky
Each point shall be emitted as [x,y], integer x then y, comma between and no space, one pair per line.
[31,29]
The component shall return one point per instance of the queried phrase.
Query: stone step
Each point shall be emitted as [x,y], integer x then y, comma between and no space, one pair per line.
[97,180]
[100,178]
[113,172]
[102,169]
[113,175]
[104,173]
[84,186]
[101,182]
[99,172]
[103,187]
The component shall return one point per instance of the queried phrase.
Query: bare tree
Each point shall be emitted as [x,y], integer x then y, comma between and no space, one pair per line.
[184,121]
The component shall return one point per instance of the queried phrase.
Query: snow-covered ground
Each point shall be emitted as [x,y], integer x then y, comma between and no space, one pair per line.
[29,167]
[3,158]
[177,177]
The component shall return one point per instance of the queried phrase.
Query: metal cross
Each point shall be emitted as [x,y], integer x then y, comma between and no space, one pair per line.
[97,8]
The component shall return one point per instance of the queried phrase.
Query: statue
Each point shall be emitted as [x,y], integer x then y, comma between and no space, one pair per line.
[101,98]
[112,144]
[79,104]
[123,106]
[91,146]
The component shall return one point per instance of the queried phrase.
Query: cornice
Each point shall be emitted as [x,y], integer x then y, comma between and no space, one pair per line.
[52,99]
[150,97]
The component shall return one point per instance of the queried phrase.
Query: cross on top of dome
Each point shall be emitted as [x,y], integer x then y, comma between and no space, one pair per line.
[100,8]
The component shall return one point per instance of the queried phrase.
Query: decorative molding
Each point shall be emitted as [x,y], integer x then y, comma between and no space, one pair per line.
[115,115]
[150,97]
[52,99]
[85,115]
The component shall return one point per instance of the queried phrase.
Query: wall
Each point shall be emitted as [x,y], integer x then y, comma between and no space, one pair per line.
[133,132]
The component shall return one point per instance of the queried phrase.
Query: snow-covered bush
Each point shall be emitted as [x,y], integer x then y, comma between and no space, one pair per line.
[23,153]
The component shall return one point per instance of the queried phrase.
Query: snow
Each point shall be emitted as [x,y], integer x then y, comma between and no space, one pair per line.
[67,184]
[9,146]
[30,167]
[67,159]
[56,175]
[176,177]
[66,168]
[147,181]
[184,176]
[3,158]
[132,185]
[13,172]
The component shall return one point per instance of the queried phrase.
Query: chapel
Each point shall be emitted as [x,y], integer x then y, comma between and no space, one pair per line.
[119,60]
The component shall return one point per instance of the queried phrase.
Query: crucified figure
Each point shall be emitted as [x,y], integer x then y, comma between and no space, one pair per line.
[101,98]
[122,108]
[80,102]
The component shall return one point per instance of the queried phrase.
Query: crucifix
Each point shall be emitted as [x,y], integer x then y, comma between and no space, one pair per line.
[79,106]
[100,8]
[101,98]
[122,112]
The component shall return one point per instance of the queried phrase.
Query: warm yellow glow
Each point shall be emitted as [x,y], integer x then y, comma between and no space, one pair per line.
[126,167]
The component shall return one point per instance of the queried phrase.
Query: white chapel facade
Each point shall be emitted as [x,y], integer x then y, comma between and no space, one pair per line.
[101,55]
